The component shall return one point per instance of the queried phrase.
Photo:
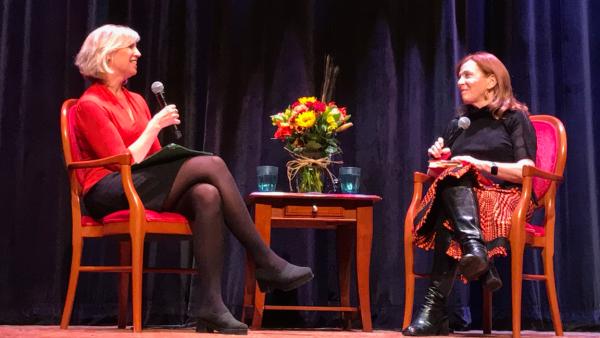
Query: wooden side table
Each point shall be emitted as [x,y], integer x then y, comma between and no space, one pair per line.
[350,215]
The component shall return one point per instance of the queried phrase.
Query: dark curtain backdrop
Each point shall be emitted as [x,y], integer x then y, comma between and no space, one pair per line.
[230,64]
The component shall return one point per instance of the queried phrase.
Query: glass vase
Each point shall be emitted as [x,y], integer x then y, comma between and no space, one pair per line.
[310,179]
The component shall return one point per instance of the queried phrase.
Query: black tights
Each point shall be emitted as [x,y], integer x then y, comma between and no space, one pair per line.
[205,192]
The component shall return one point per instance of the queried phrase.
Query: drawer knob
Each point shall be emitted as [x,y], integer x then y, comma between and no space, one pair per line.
[315,209]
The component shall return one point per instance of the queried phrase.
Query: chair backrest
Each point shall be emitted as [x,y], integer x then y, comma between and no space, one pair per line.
[551,149]
[66,129]
[69,142]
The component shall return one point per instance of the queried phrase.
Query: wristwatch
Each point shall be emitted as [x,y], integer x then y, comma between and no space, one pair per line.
[494,169]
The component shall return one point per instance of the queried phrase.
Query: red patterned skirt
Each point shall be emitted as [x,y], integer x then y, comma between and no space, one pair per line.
[496,206]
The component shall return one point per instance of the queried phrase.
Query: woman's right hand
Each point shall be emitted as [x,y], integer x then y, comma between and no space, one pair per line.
[437,150]
[167,116]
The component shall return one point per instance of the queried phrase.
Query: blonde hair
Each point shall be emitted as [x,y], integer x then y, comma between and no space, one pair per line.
[503,98]
[92,59]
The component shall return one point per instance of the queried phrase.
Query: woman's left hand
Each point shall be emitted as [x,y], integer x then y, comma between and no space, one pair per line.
[479,164]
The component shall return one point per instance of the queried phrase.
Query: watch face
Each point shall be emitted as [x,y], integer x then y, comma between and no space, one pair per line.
[494,169]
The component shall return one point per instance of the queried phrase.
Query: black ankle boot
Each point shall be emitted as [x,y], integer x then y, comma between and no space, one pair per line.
[461,206]
[287,278]
[223,323]
[432,319]
[491,279]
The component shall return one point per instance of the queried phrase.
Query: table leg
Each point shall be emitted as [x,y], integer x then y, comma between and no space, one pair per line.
[262,220]
[344,240]
[364,238]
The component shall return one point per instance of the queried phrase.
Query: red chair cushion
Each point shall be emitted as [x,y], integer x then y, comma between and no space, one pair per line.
[123,216]
[87,221]
[535,230]
[546,154]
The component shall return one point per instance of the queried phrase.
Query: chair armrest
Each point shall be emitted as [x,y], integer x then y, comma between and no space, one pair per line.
[520,214]
[419,177]
[121,159]
[136,207]
[530,171]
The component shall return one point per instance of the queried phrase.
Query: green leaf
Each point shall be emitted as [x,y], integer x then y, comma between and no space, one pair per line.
[313,145]
[331,150]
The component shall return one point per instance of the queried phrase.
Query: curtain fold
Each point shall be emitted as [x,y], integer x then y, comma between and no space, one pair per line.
[228,65]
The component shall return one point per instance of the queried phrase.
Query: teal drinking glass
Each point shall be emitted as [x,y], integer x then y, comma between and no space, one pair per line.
[349,179]
[267,177]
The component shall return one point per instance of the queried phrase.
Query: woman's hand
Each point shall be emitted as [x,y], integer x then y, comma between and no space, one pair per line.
[512,172]
[167,116]
[479,164]
[437,150]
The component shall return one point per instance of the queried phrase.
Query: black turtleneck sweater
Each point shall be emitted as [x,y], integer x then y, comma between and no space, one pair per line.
[508,139]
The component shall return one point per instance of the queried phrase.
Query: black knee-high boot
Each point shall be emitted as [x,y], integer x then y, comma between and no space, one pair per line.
[461,206]
[432,319]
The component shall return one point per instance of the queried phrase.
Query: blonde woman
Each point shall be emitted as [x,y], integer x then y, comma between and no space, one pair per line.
[110,120]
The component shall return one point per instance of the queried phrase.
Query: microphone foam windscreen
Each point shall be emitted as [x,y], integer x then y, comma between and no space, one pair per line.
[464,122]
[157,87]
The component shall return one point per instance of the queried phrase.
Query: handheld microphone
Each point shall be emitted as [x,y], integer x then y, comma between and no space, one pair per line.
[463,123]
[159,90]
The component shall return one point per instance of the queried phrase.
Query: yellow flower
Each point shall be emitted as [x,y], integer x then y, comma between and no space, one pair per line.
[306,119]
[332,124]
[305,99]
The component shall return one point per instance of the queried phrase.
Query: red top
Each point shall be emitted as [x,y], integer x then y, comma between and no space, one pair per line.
[101,127]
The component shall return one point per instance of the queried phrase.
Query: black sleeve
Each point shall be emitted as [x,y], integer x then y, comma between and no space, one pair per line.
[522,134]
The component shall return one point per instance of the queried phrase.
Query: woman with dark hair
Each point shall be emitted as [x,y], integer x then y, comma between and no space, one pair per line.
[111,120]
[465,215]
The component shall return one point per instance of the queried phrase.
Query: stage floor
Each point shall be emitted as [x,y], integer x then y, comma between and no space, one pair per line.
[108,331]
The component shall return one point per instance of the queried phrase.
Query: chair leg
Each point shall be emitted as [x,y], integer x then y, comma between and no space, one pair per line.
[73,279]
[344,240]
[125,259]
[517,250]
[551,292]
[137,255]
[409,285]
[487,311]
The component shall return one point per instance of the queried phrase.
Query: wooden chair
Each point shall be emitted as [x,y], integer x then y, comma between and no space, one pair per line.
[133,224]
[541,179]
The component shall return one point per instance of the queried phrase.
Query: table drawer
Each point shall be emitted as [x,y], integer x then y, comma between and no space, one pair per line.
[313,211]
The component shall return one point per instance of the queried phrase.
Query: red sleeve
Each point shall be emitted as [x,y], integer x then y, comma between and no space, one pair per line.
[141,103]
[97,128]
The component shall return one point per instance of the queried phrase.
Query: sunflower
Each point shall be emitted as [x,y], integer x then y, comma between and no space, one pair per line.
[306,119]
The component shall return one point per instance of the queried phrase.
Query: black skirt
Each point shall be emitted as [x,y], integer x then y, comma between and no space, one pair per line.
[153,184]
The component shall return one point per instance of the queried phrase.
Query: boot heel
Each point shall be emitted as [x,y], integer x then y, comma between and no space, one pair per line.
[472,266]
[491,279]
[224,323]
[202,327]
[444,328]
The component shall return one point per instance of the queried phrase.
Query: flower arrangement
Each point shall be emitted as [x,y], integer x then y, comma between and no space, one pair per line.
[308,127]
